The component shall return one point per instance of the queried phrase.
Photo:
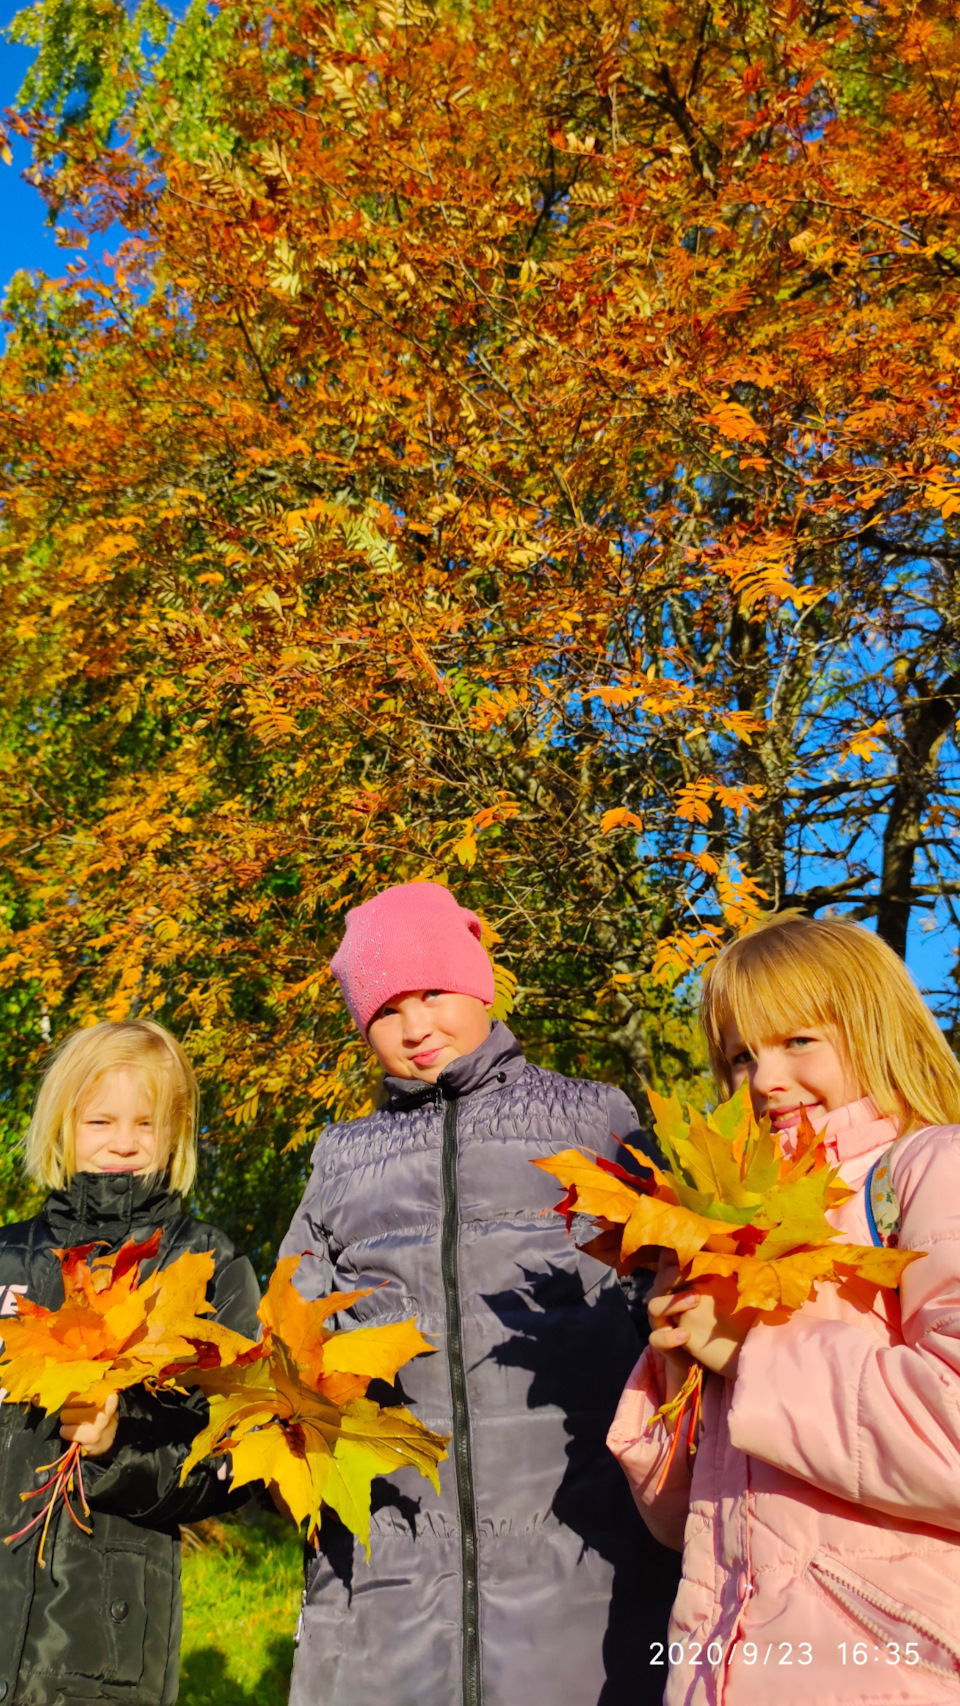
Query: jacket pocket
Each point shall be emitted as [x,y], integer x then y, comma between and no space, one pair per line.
[886,1618]
[88,1618]
[123,1611]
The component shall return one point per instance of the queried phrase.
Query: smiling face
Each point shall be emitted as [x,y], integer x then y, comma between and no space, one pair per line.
[418,1033]
[114,1126]
[802,1068]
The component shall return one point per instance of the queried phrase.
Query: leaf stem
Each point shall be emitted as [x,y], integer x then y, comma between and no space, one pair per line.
[68,1477]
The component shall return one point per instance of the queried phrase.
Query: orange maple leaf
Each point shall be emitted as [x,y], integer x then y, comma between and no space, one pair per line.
[111,1332]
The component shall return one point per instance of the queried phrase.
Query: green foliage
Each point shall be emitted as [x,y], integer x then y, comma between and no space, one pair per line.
[192,103]
[249,1187]
[89,55]
[21,1021]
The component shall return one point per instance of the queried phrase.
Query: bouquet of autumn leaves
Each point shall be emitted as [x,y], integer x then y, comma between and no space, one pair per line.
[291,1409]
[732,1204]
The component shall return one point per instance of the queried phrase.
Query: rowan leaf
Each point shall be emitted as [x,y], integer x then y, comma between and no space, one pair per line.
[441,508]
[619,817]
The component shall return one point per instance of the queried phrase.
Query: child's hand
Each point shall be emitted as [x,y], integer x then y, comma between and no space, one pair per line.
[707,1327]
[94,1429]
[662,1303]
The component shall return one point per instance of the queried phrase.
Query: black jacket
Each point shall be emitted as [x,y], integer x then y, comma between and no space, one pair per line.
[102,1620]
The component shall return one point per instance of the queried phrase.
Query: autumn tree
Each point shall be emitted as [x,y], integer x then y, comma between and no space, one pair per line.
[512,445]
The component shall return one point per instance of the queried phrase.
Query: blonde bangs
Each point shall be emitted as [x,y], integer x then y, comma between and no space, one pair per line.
[138,1046]
[830,973]
[767,997]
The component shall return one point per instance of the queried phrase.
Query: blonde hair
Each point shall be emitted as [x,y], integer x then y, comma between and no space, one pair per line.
[134,1045]
[794,971]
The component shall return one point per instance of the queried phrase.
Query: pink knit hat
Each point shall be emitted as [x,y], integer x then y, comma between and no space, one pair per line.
[414,936]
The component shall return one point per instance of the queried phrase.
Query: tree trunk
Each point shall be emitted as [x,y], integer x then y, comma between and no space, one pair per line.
[928,715]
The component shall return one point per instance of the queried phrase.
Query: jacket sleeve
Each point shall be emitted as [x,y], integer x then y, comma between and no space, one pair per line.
[140,1479]
[878,1424]
[308,1238]
[236,1298]
[641,1446]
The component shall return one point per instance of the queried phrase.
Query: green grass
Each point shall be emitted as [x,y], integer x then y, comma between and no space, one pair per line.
[241,1599]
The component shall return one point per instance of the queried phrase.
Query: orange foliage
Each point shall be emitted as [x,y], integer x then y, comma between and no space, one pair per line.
[494,427]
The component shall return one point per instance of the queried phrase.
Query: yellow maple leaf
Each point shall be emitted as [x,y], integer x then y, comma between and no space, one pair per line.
[731,1204]
[292,1411]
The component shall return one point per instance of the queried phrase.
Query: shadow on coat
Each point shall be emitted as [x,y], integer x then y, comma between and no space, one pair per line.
[580,1353]
[335,1543]
[205,1680]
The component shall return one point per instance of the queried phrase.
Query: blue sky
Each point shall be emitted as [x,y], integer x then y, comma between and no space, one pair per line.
[25,239]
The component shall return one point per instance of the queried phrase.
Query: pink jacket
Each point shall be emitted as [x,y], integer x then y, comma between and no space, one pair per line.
[821,1522]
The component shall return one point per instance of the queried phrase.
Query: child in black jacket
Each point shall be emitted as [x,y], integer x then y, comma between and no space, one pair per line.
[114,1135]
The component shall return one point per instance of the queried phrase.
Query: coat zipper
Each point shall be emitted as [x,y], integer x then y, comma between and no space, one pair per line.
[462,1445]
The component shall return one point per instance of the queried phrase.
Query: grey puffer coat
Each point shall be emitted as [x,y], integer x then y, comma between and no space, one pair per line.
[529,1581]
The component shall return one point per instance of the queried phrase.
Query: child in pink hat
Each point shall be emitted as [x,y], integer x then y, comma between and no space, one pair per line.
[529,1579]
[406,937]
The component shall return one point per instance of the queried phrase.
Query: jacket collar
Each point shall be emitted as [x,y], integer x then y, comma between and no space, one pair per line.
[856,1128]
[498,1060]
[108,1207]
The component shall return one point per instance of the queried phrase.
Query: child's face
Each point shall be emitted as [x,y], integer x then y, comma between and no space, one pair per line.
[802,1069]
[114,1130]
[417,1034]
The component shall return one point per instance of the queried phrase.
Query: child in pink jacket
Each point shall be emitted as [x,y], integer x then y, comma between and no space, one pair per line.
[820,1525]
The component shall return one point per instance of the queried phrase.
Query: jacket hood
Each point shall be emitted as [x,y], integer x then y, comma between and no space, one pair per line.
[109,1206]
[497,1060]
